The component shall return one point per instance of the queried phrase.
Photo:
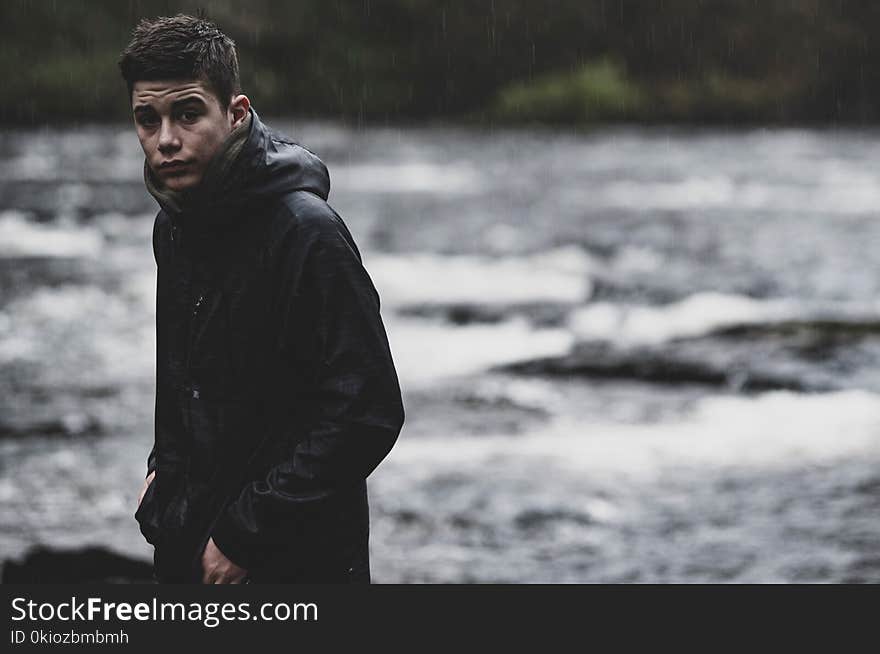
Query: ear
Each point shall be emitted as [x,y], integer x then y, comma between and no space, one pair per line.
[239,109]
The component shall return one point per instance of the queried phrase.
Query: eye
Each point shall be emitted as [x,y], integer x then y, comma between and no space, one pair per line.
[147,119]
[189,116]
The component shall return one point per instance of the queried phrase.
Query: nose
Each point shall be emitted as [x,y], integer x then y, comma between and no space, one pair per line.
[169,141]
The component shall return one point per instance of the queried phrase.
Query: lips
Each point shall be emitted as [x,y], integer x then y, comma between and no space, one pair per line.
[170,166]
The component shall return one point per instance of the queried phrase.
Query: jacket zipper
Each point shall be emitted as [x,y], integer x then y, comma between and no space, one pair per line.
[198,304]
[193,329]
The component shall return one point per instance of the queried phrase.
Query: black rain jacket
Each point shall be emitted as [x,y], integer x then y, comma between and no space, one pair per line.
[276,394]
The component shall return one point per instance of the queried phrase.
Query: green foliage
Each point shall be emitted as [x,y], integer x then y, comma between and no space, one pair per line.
[598,91]
[721,97]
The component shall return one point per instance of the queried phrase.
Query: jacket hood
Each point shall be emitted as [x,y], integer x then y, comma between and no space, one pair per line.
[239,177]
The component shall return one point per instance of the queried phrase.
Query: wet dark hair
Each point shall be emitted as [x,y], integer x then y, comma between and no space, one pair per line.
[181,47]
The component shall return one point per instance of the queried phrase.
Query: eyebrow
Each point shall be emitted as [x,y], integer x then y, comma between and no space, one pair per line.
[193,99]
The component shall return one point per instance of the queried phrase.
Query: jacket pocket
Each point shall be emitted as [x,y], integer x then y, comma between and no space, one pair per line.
[147,514]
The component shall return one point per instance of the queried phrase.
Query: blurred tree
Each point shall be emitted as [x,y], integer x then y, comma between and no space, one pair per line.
[391,60]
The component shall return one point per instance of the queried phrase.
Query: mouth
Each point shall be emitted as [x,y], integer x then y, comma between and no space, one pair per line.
[173,166]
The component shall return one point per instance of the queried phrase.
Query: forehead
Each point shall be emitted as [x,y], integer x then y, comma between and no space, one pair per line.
[157,93]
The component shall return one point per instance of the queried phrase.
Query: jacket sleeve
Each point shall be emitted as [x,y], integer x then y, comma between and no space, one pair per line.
[151,461]
[152,458]
[354,394]
[168,427]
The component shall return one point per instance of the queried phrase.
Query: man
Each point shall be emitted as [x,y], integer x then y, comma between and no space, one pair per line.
[276,394]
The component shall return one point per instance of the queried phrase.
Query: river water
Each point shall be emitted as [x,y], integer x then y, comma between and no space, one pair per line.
[627,355]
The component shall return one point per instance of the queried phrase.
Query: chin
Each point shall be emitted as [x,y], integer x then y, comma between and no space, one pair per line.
[183,183]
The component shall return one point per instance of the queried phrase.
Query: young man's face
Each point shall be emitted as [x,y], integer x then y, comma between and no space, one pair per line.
[181,125]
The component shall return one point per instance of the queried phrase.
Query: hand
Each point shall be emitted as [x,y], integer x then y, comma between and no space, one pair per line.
[217,569]
[147,482]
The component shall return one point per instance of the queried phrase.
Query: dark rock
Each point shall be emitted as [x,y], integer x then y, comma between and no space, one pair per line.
[678,362]
[43,565]
[539,314]
[540,518]
[67,425]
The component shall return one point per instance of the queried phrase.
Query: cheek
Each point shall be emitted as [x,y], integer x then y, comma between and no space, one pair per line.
[208,142]
[145,141]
